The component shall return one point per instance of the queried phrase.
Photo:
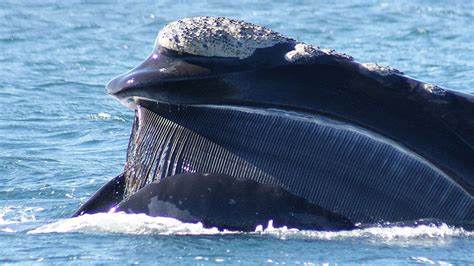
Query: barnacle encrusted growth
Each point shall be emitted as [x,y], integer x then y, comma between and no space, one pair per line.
[303,52]
[381,69]
[433,89]
[217,36]
[225,37]
[337,54]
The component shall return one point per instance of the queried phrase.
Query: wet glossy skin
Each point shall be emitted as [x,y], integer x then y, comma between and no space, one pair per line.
[229,203]
[216,201]
[105,198]
[431,122]
[437,126]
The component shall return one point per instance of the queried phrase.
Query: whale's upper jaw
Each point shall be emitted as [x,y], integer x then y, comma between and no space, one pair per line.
[158,68]
[165,67]
[202,47]
[205,51]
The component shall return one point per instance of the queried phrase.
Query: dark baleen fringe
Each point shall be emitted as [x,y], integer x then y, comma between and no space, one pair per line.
[341,167]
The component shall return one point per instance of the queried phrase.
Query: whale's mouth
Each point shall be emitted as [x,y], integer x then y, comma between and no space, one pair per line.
[227,97]
[339,166]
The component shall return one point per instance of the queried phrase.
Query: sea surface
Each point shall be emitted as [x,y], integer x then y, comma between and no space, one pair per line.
[62,136]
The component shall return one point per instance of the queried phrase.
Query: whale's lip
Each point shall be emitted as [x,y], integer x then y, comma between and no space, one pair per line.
[158,67]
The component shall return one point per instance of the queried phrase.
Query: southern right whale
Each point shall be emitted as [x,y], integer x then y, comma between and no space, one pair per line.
[230,98]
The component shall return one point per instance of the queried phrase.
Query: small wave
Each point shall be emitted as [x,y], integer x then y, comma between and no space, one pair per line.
[18,214]
[425,260]
[7,230]
[141,224]
[13,216]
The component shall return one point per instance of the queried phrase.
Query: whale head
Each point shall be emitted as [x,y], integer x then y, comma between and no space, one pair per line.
[194,61]
[362,140]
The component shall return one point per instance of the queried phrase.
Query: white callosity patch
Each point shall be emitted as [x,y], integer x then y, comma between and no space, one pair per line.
[337,54]
[305,52]
[433,89]
[225,37]
[217,36]
[381,69]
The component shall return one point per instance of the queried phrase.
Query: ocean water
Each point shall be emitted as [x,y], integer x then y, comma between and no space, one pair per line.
[62,137]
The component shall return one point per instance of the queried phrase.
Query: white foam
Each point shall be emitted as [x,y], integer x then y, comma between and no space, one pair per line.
[7,230]
[122,223]
[421,259]
[140,224]
[105,116]
[18,214]
[217,36]
[398,235]
[425,260]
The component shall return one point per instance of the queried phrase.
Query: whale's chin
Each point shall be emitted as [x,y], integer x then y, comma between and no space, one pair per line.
[340,166]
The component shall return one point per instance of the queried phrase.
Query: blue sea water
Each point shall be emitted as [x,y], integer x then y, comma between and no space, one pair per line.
[62,137]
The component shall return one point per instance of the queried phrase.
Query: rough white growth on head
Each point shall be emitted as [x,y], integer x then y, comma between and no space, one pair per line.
[303,52]
[431,88]
[337,54]
[217,36]
[381,69]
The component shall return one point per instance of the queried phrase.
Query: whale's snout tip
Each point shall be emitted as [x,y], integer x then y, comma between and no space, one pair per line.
[147,73]
[113,86]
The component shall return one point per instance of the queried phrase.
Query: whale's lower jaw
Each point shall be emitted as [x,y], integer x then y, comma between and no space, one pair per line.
[338,166]
[230,203]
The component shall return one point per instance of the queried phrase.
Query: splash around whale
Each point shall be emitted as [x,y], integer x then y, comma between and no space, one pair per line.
[236,124]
